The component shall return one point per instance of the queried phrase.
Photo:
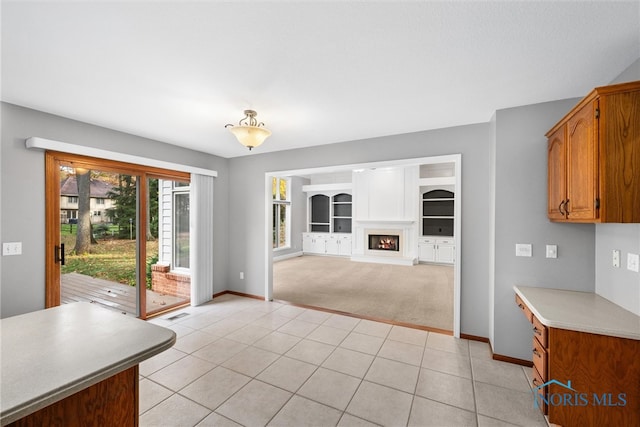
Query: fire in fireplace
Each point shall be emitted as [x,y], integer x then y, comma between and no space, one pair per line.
[384,242]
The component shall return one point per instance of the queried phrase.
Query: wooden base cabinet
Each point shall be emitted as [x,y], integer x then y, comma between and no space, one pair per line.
[605,374]
[111,402]
[594,158]
[584,379]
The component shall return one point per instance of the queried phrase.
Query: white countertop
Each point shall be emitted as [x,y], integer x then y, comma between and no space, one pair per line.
[580,311]
[51,354]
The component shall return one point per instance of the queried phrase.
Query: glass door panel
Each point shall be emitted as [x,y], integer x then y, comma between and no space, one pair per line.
[168,279]
[98,229]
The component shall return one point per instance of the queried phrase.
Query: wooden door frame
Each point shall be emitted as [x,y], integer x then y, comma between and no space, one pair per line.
[53,160]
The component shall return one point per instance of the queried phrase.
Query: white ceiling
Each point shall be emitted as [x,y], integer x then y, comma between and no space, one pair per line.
[316,72]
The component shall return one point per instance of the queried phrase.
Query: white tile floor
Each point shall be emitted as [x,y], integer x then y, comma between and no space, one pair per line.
[241,361]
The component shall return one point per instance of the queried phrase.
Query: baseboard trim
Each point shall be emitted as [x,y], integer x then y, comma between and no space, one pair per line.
[287,256]
[498,357]
[240,294]
[513,360]
[474,338]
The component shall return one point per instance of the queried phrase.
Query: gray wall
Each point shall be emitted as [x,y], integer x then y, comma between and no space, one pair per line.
[521,217]
[246,195]
[23,210]
[619,284]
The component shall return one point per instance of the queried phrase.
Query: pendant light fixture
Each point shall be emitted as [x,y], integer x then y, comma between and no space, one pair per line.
[248,131]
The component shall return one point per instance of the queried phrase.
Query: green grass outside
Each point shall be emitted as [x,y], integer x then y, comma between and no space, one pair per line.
[70,229]
[110,259]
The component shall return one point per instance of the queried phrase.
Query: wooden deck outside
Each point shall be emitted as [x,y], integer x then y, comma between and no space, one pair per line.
[116,296]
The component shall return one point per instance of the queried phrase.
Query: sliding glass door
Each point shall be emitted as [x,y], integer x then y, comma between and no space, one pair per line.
[110,235]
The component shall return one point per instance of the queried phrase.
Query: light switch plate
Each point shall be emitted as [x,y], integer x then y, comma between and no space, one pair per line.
[633,262]
[12,248]
[616,258]
[552,251]
[523,249]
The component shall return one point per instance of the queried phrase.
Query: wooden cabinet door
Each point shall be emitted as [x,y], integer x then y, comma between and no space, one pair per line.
[556,175]
[582,164]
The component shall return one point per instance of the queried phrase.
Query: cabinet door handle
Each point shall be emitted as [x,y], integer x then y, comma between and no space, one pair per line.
[537,331]
[566,207]
[560,207]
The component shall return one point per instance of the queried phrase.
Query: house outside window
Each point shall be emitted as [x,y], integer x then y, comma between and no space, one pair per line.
[281,193]
[72,199]
[181,229]
[173,225]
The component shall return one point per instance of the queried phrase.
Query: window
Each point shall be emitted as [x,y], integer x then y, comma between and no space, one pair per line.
[281,193]
[99,201]
[96,213]
[72,199]
[181,229]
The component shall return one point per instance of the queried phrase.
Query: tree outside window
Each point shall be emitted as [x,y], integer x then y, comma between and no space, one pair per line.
[281,227]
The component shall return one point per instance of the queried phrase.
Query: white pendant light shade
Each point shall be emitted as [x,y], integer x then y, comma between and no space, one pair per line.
[250,136]
[249,132]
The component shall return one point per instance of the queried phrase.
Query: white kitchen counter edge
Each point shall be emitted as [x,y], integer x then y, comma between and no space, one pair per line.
[573,325]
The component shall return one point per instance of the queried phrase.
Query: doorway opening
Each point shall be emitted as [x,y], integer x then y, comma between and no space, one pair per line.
[397,215]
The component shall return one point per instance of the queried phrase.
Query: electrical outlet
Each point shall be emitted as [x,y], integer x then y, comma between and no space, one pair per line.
[523,249]
[552,251]
[616,258]
[633,262]
[12,248]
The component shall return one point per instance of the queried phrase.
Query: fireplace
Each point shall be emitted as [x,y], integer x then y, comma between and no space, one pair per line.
[384,242]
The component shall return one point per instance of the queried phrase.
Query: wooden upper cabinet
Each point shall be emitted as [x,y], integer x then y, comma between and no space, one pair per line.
[557,163]
[594,158]
[582,165]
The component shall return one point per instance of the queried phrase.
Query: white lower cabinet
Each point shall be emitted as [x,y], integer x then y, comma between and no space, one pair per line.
[314,243]
[436,249]
[326,243]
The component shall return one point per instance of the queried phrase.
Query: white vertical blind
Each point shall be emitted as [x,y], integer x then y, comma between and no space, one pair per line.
[201,238]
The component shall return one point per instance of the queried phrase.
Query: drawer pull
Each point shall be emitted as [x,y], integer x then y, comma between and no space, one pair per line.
[537,331]
[535,382]
[521,306]
[536,352]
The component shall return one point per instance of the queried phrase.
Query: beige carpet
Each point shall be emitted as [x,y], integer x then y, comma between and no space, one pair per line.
[420,294]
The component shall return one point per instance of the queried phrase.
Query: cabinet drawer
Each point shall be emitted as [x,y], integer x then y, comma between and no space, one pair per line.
[445,241]
[524,308]
[537,381]
[539,358]
[427,240]
[540,332]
